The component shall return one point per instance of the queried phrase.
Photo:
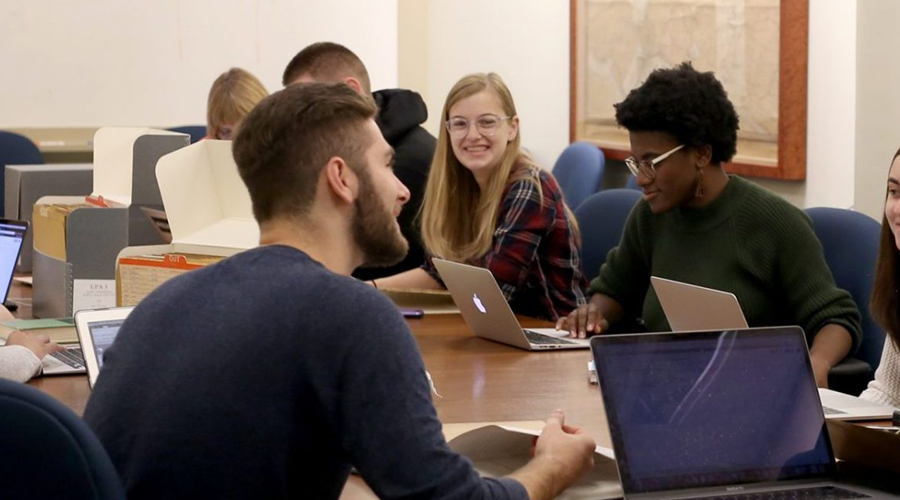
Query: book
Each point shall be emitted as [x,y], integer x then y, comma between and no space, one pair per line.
[429,301]
[60,330]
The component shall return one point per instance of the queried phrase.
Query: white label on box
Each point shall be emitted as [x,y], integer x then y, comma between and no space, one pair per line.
[93,294]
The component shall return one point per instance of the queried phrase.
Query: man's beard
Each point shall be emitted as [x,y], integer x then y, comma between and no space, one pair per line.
[375,229]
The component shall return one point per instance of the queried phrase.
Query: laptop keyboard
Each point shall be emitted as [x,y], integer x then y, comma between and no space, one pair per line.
[71,356]
[540,338]
[818,493]
[832,411]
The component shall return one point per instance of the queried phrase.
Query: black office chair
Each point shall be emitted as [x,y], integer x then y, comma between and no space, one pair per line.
[197,132]
[601,219]
[16,149]
[850,240]
[46,451]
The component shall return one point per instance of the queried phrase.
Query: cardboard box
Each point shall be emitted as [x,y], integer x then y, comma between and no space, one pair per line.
[76,239]
[209,215]
[25,184]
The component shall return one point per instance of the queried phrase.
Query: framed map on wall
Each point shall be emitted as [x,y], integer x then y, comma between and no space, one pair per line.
[757,49]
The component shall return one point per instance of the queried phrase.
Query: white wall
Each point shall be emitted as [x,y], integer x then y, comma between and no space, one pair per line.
[831,118]
[525,41]
[115,62]
[530,49]
[877,101]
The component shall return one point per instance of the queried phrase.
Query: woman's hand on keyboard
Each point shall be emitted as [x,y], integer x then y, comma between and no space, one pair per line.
[40,345]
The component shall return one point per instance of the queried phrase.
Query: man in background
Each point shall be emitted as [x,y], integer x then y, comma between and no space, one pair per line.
[399,117]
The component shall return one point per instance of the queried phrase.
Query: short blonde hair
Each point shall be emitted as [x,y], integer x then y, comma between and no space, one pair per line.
[458,219]
[232,96]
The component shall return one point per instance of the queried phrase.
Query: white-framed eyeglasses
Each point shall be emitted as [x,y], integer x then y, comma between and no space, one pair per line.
[648,167]
[486,125]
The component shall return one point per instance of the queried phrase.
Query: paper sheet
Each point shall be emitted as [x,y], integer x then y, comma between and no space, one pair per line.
[93,294]
[498,450]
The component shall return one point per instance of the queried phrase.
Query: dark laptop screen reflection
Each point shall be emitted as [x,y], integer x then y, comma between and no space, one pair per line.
[103,334]
[728,405]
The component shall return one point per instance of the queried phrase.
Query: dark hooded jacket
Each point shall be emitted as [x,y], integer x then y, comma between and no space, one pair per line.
[400,115]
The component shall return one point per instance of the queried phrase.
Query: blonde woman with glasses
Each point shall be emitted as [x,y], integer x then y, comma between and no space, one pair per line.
[699,225]
[487,204]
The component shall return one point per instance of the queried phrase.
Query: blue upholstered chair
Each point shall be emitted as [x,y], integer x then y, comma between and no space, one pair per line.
[579,171]
[631,183]
[16,149]
[197,132]
[46,451]
[850,240]
[601,219]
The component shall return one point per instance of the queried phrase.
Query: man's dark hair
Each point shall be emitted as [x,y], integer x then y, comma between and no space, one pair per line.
[287,139]
[327,62]
[690,105]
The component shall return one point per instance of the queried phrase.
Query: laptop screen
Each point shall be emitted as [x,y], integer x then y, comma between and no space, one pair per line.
[12,232]
[697,409]
[103,333]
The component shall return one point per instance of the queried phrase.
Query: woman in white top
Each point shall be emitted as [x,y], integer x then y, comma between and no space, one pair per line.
[885,304]
[20,358]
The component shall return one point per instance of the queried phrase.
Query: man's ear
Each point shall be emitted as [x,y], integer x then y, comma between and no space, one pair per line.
[354,84]
[341,180]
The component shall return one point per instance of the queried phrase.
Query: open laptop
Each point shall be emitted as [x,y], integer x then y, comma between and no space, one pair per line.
[67,362]
[12,235]
[487,312]
[692,308]
[727,413]
[97,329]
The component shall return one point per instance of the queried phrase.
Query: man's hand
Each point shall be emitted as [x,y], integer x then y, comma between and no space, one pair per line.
[567,445]
[40,345]
[561,455]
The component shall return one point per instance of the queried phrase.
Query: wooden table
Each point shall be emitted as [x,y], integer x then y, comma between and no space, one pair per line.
[479,380]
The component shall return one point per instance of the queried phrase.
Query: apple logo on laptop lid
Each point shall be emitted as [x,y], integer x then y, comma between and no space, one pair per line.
[478,303]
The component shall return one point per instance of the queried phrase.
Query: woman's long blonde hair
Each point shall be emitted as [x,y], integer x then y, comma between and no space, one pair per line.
[458,219]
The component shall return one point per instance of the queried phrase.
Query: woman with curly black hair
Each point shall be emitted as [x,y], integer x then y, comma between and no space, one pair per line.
[699,225]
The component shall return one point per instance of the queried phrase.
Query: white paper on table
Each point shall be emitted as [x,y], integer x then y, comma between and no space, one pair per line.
[497,451]
[93,294]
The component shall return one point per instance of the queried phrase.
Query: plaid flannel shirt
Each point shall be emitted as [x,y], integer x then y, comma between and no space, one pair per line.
[535,257]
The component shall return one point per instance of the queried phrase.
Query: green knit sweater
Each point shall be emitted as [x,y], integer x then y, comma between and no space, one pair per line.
[749,242]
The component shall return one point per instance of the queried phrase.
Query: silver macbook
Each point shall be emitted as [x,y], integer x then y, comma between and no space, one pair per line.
[67,362]
[97,329]
[487,312]
[724,414]
[694,308]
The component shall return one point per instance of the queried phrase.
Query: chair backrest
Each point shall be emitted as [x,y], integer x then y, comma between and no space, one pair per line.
[16,149]
[579,171]
[601,219]
[46,451]
[197,132]
[631,183]
[850,240]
